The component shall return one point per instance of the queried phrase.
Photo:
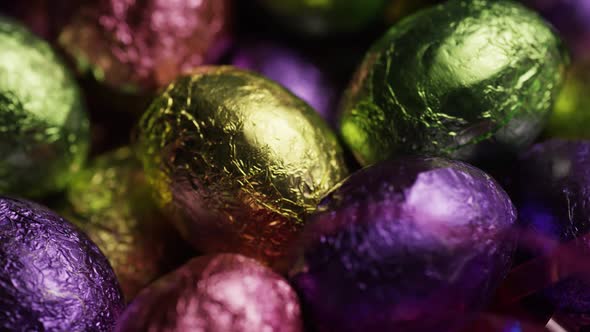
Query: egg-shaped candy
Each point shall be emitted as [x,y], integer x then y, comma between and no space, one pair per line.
[464,79]
[112,203]
[237,160]
[218,293]
[554,204]
[140,46]
[325,17]
[52,277]
[415,244]
[43,123]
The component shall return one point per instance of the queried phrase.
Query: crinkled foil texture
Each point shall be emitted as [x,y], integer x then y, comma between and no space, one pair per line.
[44,131]
[217,293]
[52,277]
[239,159]
[143,45]
[416,244]
[462,79]
[554,204]
[111,202]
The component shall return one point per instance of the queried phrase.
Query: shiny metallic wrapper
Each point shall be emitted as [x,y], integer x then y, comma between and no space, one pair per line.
[414,244]
[143,45]
[465,79]
[238,161]
[112,203]
[220,293]
[44,133]
[52,277]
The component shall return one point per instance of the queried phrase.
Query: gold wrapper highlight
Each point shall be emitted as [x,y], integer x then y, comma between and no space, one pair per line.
[111,202]
[238,160]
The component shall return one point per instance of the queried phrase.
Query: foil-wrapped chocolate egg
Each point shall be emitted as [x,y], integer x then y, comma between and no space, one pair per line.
[219,293]
[319,18]
[139,46]
[414,244]
[462,79]
[43,123]
[112,203]
[52,277]
[571,18]
[554,202]
[292,70]
[238,161]
[571,114]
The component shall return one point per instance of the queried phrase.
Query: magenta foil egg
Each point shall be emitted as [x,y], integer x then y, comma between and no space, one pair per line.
[416,244]
[217,293]
[137,45]
[52,277]
[292,70]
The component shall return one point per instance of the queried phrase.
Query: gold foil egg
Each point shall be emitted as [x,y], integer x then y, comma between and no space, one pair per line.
[238,160]
[112,203]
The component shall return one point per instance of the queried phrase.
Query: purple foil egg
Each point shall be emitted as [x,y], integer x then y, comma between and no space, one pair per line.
[292,70]
[416,244]
[52,277]
[217,293]
[571,18]
[554,204]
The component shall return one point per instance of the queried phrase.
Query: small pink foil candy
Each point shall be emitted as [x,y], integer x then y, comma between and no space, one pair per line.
[142,45]
[217,293]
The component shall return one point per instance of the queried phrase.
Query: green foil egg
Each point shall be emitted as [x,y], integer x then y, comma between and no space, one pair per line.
[44,131]
[111,202]
[238,161]
[571,115]
[325,16]
[464,79]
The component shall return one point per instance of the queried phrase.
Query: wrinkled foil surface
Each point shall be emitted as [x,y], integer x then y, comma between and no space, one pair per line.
[415,245]
[237,160]
[44,131]
[143,45]
[462,79]
[52,277]
[217,293]
[554,202]
[112,203]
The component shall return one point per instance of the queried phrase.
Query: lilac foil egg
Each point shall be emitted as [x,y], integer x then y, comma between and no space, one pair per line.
[217,293]
[554,204]
[416,244]
[52,277]
[292,70]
